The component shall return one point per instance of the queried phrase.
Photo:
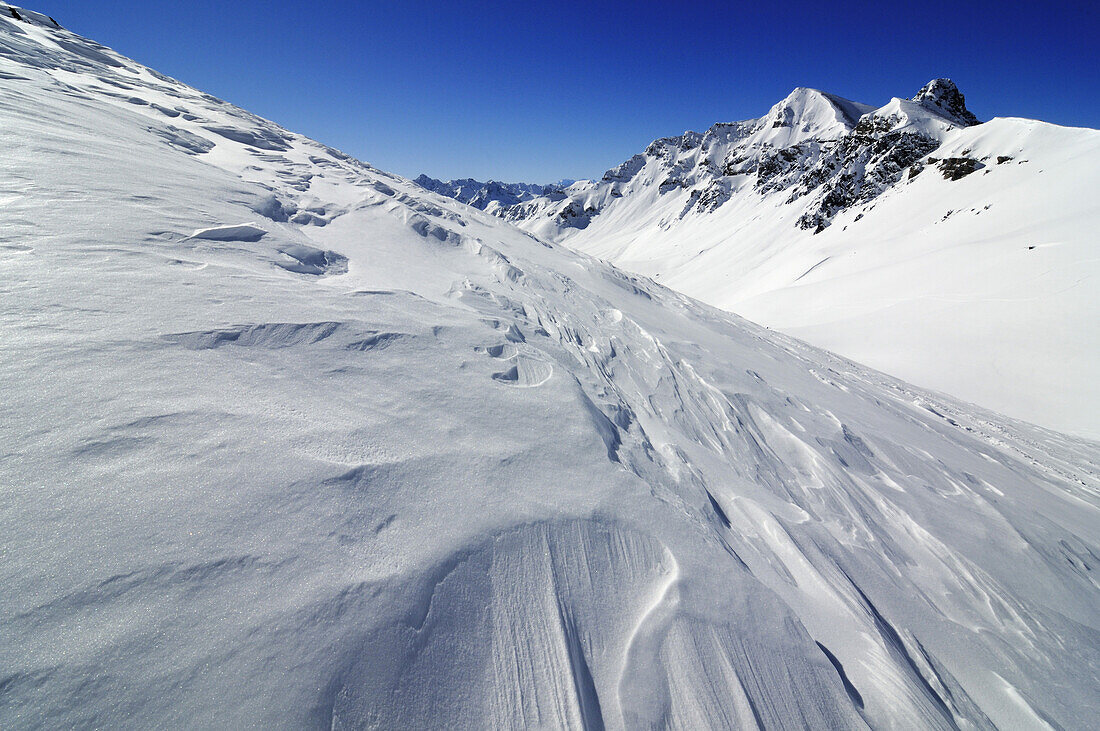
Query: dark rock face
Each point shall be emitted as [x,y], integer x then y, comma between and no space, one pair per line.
[574,216]
[777,170]
[956,168]
[626,171]
[842,173]
[663,147]
[942,96]
[709,199]
[860,168]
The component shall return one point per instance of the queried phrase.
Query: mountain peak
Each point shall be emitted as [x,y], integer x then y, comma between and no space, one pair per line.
[802,102]
[808,113]
[942,96]
[27,16]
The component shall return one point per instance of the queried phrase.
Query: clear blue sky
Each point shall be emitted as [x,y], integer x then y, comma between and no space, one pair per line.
[540,91]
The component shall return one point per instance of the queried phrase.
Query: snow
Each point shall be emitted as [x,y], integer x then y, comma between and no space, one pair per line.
[982,287]
[238,232]
[490,195]
[807,114]
[451,474]
[909,116]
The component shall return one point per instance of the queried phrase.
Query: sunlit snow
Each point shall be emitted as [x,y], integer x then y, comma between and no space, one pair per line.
[288,441]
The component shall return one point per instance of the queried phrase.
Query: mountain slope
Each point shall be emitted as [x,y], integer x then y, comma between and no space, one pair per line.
[954,254]
[290,442]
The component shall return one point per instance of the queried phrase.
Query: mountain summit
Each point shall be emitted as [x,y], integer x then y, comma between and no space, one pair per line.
[943,96]
[808,114]
[491,195]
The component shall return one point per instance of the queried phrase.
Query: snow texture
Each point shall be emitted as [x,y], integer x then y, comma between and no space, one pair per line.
[953,254]
[468,478]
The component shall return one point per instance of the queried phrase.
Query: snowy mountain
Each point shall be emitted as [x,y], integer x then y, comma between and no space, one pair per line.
[812,144]
[954,254]
[491,196]
[289,441]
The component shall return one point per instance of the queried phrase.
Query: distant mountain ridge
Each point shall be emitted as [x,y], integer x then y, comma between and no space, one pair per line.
[490,195]
[833,151]
[909,236]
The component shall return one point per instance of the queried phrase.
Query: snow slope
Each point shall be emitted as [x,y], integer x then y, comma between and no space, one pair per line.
[957,255]
[289,442]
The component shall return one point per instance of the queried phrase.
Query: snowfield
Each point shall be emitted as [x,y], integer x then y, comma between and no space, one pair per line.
[956,255]
[287,441]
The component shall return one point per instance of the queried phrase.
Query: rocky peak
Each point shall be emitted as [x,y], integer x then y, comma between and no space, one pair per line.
[943,97]
[667,146]
[430,183]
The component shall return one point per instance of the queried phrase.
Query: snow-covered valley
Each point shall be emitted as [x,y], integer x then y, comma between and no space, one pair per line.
[288,441]
[957,255]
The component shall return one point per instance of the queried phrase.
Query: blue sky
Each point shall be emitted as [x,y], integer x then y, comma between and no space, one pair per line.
[541,91]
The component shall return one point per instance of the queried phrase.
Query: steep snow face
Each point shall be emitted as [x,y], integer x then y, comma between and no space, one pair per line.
[807,114]
[291,442]
[954,254]
[906,115]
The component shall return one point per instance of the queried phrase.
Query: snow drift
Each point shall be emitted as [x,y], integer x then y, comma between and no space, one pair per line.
[468,477]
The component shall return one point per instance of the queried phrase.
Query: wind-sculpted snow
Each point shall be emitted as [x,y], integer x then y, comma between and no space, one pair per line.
[475,479]
[542,616]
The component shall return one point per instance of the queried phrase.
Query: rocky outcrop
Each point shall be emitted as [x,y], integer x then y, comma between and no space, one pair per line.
[957,168]
[942,96]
